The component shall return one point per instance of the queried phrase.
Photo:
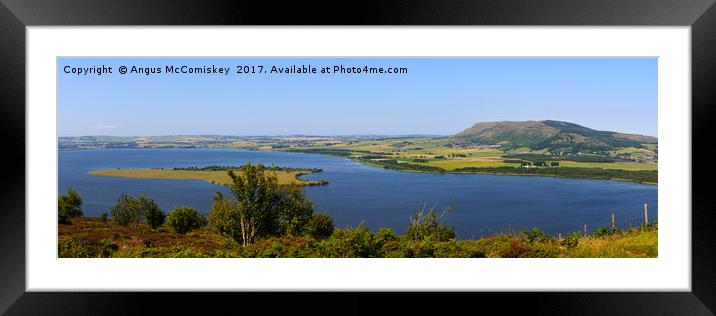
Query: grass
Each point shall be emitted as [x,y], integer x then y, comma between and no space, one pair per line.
[216,177]
[610,165]
[638,244]
[92,237]
[452,164]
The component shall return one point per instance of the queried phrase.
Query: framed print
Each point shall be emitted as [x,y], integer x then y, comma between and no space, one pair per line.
[548,150]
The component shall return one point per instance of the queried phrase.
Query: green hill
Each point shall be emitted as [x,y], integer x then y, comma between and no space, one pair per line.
[551,135]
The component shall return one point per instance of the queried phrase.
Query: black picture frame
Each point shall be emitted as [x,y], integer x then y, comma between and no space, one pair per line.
[16,15]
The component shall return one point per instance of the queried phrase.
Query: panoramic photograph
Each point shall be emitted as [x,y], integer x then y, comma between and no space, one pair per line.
[357,157]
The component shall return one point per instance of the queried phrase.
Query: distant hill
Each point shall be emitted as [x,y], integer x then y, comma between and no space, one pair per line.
[551,135]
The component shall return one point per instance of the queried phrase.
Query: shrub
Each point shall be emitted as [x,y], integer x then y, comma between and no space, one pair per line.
[151,211]
[385,234]
[543,250]
[425,225]
[79,247]
[535,234]
[386,243]
[184,219]
[69,206]
[419,248]
[103,217]
[572,239]
[604,231]
[456,249]
[130,211]
[320,226]
[515,249]
[648,227]
[126,211]
[352,242]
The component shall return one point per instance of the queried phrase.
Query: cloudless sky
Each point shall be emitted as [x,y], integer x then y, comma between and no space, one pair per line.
[438,96]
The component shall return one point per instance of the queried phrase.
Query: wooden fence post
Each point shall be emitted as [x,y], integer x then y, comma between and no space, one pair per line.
[612,220]
[646,214]
[585,230]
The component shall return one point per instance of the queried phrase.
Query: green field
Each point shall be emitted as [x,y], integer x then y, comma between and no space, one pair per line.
[611,165]
[453,164]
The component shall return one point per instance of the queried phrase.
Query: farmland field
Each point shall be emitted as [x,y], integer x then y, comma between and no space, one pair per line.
[464,163]
[611,165]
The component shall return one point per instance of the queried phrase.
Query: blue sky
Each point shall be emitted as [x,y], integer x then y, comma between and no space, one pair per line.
[439,96]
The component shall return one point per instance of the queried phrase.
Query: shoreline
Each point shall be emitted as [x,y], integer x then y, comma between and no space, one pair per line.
[479,172]
[323,182]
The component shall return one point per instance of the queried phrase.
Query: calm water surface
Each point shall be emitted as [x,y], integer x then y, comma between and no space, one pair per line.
[481,204]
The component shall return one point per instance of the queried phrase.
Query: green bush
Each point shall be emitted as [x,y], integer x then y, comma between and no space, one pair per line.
[79,247]
[515,249]
[130,211]
[351,242]
[386,243]
[572,239]
[127,211]
[419,248]
[69,206]
[604,231]
[320,226]
[184,219]
[543,250]
[535,234]
[425,225]
[151,211]
[457,249]
[103,217]
[384,235]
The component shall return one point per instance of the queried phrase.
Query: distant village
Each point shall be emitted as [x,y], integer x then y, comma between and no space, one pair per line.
[472,145]
[641,159]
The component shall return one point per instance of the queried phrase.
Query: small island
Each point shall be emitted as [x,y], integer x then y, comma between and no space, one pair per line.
[214,174]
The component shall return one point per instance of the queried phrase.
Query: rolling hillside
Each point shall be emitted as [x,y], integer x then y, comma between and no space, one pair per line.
[551,135]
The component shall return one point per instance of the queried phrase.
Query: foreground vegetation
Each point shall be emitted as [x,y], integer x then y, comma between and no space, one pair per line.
[92,237]
[266,218]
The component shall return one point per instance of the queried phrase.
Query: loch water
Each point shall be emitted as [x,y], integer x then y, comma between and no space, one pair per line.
[480,204]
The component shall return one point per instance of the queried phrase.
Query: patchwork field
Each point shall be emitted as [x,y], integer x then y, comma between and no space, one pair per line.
[465,163]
